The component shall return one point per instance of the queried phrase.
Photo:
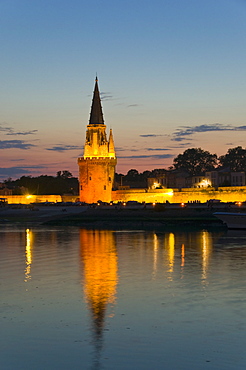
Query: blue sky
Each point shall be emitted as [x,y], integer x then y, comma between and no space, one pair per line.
[171,74]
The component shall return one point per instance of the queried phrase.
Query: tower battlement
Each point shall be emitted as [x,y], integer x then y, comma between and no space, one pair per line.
[99,159]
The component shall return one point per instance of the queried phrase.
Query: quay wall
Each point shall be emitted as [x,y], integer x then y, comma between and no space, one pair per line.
[27,199]
[225,194]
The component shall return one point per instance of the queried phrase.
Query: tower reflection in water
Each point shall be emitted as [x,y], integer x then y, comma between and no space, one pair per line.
[99,263]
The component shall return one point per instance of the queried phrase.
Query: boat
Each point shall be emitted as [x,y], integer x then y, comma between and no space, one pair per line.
[232,220]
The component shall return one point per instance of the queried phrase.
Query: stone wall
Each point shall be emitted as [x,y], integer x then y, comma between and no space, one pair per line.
[27,199]
[225,194]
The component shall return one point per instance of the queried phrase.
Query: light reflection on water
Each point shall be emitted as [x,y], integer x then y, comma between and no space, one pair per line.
[99,299]
[28,254]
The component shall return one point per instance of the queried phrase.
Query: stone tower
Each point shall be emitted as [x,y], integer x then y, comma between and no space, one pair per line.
[97,166]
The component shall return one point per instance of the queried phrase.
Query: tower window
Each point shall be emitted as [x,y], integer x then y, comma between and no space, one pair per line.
[81,187]
[104,187]
[90,178]
[109,179]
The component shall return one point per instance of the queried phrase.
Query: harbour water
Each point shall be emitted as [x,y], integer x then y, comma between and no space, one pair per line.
[98,299]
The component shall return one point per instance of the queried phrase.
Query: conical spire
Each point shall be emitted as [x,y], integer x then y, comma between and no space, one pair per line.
[96,116]
[111,142]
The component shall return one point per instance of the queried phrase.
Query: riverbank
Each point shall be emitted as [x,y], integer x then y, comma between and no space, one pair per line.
[114,218]
[139,219]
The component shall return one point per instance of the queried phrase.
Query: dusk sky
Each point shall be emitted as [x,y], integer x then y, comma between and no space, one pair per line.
[171,75]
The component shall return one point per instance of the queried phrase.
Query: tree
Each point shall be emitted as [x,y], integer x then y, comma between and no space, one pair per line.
[158,172]
[146,174]
[64,174]
[235,159]
[132,174]
[9,180]
[48,184]
[195,161]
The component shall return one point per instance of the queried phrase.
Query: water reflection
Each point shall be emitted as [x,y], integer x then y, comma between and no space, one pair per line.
[28,254]
[98,251]
[171,253]
[182,255]
[99,260]
[206,252]
[155,253]
[177,290]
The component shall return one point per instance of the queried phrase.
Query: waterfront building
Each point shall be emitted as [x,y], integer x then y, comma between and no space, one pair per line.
[224,177]
[4,190]
[200,182]
[97,166]
[158,182]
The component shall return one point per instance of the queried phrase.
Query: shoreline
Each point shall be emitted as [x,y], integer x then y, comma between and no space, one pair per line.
[100,218]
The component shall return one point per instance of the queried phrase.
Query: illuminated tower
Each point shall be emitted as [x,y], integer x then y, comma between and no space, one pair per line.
[97,166]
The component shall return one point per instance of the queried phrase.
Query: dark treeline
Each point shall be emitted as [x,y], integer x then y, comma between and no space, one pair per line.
[197,161]
[193,161]
[62,183]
